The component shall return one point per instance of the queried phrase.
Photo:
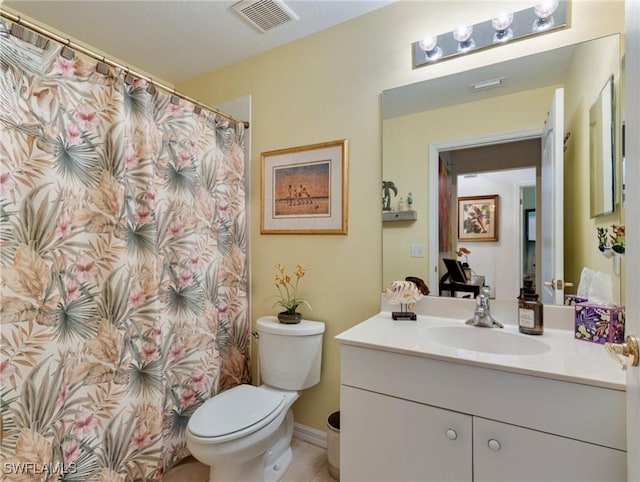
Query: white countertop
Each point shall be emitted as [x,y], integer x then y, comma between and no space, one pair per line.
[566,359]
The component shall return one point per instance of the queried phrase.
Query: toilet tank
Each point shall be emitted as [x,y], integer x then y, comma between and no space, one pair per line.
[289,356]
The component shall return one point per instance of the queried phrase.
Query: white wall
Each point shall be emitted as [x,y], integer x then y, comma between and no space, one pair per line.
[496,259]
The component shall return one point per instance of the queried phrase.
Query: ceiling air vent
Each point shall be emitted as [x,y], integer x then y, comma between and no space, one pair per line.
[265,15]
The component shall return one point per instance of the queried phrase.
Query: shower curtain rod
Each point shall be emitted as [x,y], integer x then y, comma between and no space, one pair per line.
[71,45]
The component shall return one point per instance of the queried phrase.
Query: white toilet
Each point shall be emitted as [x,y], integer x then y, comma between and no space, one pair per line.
[244,433]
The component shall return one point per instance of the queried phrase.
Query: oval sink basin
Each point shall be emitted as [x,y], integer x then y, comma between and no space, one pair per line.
[486,340]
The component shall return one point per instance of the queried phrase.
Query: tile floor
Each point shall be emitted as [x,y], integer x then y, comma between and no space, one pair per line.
[309,464]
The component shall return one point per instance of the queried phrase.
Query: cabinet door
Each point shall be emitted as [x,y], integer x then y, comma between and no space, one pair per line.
[389,439]
[508,453]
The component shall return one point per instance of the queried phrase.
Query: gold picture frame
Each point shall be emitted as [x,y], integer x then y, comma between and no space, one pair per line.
[478,218]
[303,190]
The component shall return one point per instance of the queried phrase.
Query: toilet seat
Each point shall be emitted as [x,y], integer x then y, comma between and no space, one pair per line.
[235,413]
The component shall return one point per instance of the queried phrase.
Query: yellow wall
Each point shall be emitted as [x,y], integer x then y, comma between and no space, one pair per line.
[327,87]
[583,83]
[407,139]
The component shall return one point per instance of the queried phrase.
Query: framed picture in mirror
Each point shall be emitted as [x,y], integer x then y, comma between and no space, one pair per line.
[478,218]
[530,232]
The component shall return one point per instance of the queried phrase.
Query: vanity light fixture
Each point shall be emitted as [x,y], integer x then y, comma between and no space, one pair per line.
[505,27]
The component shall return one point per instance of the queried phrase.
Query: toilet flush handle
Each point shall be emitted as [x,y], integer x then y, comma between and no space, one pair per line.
[255,334]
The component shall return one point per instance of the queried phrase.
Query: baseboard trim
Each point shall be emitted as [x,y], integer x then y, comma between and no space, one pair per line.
[311,435]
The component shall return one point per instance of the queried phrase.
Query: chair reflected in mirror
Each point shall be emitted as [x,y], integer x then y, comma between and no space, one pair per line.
[455,280]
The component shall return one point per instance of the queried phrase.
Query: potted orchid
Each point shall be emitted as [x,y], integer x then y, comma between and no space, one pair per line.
[617,239]
[614,243]
[287,296]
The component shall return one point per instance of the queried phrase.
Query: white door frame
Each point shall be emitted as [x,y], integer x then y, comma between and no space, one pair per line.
[520,222]
[632,216]
[434,154]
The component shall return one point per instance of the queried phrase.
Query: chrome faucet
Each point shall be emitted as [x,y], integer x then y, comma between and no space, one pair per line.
[482,314]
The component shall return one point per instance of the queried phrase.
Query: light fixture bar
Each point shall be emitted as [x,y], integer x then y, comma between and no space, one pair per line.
[546,16]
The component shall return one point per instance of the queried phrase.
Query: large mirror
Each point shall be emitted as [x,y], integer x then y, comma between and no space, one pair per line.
[479,135]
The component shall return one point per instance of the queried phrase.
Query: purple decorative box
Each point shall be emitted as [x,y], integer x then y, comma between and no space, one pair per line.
[598,323]
[572,300]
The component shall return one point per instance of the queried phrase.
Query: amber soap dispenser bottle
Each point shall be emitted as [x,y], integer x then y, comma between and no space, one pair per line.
[529,311]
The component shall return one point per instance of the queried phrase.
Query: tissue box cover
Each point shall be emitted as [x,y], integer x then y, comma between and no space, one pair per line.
[599,324]
[572,300]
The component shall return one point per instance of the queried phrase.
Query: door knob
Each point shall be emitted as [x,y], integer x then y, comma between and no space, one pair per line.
[558,284]
[627,349]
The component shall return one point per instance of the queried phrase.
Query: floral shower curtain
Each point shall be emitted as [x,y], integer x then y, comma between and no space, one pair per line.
[123,268]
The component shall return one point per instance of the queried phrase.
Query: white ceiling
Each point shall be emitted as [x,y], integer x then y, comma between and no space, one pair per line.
[176,40]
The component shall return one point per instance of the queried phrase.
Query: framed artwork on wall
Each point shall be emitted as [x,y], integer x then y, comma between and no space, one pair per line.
[304,189]
[478,218]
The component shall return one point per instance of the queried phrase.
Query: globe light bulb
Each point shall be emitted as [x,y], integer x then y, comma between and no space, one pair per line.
[546,8]
[463,33]
[428,43]
[502,21]
[544,11]
[501,24]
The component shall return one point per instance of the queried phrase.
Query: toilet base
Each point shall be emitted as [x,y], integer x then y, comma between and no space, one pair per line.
[250,471]
[275,471]
[268,467]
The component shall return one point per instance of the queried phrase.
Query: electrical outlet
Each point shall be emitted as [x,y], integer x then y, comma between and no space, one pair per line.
[417,250]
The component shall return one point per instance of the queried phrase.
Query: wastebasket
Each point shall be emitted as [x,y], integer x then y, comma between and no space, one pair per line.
[333,444]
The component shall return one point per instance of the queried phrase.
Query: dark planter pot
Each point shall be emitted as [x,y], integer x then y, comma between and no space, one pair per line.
[289,318]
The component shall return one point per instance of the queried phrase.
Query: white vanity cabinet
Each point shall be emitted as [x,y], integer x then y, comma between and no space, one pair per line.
[415,418]
[384,438]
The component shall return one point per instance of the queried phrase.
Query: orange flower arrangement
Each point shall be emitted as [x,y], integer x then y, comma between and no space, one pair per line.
[288,288]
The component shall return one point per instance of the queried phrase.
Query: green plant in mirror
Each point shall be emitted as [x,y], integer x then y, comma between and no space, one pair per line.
[387,188]
[617,239]
[614,241]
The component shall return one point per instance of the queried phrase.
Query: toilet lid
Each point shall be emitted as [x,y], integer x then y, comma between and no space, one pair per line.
[235,410]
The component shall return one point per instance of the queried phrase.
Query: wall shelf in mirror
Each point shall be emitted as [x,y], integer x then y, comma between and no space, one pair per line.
[408,215]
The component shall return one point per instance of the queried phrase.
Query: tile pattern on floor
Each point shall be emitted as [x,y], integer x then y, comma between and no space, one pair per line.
[309,464]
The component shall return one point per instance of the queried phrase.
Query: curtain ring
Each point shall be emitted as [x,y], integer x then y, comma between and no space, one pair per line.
[128,78]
